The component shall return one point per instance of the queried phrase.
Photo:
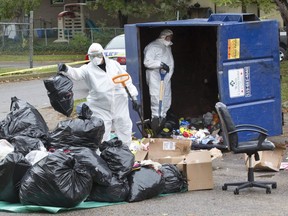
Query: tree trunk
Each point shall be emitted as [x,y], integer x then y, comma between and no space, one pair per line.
[283,8]
[123,19]
[244,8]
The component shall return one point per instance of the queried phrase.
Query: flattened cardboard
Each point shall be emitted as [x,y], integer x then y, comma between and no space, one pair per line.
[141,155]
[269,160]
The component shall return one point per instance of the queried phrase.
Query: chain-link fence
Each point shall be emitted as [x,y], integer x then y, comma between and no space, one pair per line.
[15,39]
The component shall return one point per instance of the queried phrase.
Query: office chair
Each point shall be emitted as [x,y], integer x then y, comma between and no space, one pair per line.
[230,133]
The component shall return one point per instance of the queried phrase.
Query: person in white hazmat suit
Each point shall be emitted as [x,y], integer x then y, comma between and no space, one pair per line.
[158,55]
[107,100]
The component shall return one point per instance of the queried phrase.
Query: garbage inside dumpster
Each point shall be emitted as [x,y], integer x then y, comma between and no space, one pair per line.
[215,60]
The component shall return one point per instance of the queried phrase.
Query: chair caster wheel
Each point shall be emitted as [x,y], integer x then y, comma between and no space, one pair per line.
[274,186]
[224,187]
[236,191]
[268,191]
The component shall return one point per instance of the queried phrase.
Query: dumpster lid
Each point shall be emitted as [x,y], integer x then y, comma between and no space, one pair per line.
[233,17]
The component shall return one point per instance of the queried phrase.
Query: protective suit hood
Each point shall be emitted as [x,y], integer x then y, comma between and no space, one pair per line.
[165,33]
[95,48]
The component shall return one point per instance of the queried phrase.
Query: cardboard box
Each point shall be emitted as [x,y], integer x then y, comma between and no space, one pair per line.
[161,148]
[196,165]
[197,168]
[269,160]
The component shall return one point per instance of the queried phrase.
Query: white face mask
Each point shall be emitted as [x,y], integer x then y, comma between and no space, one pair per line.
[167,43]
[97,61]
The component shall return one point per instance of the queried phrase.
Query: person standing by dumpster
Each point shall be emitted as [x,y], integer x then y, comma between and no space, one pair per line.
[107,100]
[158,56]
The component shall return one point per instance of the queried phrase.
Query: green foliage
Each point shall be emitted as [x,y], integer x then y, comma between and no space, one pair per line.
[103,36]
[136,8]
[122,9]
[80,43]
[167,9]
[284,81]
[10,9]
[265,5]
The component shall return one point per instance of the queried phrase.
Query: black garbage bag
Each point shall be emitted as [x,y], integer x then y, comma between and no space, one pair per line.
[98,168]
[23,119]
[173,179]
[144,183]
[83,111]
[56,180]
[26,144]
[12,169]
[117,191]
[118,157]
[59,90]
[77,132]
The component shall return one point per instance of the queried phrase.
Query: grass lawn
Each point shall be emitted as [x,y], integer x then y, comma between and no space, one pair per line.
[37,58]
[284,80]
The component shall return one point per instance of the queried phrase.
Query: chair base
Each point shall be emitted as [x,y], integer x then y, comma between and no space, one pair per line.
[247,184]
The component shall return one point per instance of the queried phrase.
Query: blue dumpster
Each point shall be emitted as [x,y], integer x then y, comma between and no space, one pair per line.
[232,58]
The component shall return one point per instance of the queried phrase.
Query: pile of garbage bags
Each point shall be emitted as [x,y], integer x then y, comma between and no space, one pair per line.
[61,167]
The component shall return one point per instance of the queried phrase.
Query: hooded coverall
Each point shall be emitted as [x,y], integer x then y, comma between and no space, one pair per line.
[107,100]
[155,53]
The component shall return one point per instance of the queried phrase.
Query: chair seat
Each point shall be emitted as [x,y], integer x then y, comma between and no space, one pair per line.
[251,147]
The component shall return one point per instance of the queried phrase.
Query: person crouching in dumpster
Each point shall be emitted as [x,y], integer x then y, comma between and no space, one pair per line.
[107,100]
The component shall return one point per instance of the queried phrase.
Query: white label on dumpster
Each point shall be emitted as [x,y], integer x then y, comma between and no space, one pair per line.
[247,82]
[167,145]
[236,82]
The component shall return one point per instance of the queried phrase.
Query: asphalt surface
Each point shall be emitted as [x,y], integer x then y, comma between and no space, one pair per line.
[33,92]
[228,168]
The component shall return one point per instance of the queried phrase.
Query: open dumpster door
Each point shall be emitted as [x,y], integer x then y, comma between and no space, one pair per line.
[249,74]
[232,58]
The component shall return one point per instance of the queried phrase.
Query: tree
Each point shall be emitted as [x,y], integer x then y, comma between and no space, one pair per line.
[122,9]
[17,9]
[168,9]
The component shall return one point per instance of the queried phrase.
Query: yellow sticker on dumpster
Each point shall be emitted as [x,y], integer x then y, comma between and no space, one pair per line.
[234,48]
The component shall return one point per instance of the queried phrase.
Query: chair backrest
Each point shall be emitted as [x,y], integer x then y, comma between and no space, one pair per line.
[227,125]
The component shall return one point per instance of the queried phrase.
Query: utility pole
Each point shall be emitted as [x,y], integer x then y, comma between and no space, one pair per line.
[31,39]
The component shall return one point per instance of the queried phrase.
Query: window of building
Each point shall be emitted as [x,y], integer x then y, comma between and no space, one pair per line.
[55,2]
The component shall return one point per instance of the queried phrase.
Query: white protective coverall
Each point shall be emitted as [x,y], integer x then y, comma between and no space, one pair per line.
[154,53]
[107,100]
